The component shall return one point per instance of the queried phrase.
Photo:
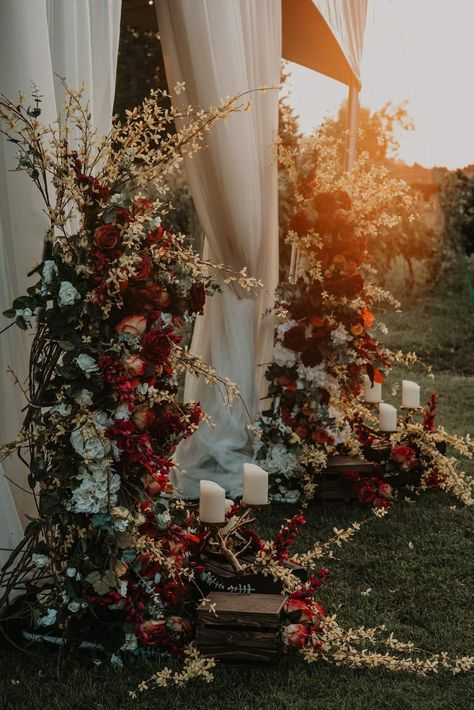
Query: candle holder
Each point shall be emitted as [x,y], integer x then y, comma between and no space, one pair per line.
[254,506]
[234,541]
[410,412]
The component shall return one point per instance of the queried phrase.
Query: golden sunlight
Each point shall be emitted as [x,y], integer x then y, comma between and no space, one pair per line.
[415,50]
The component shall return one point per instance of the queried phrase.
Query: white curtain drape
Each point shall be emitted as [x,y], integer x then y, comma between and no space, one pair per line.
[77,40]
[220,48]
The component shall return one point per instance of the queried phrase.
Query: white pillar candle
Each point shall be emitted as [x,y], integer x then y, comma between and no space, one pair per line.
[372,393]
[387,417]
[255,485]
[211,502]
[410,394]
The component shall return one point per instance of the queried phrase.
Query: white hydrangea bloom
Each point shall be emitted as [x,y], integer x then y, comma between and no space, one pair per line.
[283,356]
[97,489]
[25,313]
[90,441]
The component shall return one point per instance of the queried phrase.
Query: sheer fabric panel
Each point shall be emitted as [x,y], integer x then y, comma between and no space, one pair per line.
[77,40]
[221,49]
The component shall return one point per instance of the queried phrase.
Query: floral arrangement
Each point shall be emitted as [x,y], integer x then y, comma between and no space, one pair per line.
[418,452]
[326,337]
[104,559]
[112,564]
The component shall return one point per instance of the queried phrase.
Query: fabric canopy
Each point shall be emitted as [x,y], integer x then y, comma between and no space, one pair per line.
[220,49]
[79,41]
[325,35]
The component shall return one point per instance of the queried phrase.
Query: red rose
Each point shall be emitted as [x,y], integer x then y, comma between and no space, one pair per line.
[142,205]
[142,268]
[197,298]
[157,295]
[294,606]
[404,455]
[156,346]
[107,237]
[366,494]
[323,436]
[156,236]
[152,633]
[294,635]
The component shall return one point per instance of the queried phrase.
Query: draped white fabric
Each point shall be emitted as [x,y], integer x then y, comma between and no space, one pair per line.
[347,19]
[77,40]
[220,49]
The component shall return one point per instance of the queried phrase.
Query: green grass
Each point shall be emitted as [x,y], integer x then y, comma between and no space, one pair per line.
[422,591]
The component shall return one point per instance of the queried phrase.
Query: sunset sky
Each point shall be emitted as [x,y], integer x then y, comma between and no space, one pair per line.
[420,50]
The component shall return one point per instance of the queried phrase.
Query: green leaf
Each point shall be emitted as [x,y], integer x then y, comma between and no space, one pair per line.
[10,313]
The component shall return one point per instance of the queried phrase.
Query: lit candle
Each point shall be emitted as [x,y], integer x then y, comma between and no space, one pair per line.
[211,502]
[372,392]
[255,485]
[387,417]
[410,394]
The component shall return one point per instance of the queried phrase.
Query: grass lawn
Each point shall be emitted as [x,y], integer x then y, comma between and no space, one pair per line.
[418,564]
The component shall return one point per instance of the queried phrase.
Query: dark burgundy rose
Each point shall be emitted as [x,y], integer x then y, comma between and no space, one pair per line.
[156,346]
[295,338]
[312,355]
[197,298]
[366,494]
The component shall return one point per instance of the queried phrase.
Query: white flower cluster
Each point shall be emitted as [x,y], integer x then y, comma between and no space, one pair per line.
[97,490]
[281,461]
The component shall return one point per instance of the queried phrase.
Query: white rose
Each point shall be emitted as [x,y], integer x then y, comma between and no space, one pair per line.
[26,314]
[49,271]
[74,607]
[68,294]
[39,560]
[89,442]
[84,398]
[49,618]
[86,363]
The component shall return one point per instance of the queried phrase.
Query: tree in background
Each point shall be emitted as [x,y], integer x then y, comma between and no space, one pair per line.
[457,201]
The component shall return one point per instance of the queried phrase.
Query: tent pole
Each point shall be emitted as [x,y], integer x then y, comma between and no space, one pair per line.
[353,109]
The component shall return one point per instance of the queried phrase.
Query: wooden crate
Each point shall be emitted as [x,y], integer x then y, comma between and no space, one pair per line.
[220,576]
[240,628]
[333,487]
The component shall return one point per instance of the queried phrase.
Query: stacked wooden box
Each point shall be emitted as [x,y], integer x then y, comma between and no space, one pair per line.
[240,628]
